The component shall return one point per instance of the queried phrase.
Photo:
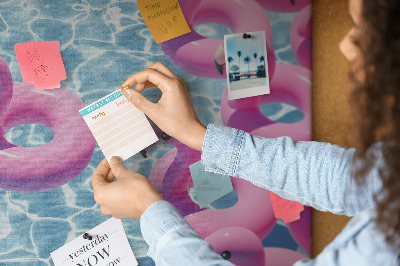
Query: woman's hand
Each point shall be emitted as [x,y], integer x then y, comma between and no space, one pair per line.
[127,197]
[173,113]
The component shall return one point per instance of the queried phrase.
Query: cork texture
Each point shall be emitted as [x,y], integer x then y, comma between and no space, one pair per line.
[331,89]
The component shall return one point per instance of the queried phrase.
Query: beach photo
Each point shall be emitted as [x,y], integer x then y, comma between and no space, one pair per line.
[246,64]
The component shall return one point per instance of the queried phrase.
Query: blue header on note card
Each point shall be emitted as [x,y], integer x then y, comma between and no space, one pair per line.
[100,103]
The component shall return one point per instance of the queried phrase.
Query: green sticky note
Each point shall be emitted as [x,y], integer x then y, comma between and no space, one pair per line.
[209,186]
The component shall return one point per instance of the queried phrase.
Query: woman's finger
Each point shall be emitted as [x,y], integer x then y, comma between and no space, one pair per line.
[160,67]
[110,177]
[100,174]
[142,86]
[159,80]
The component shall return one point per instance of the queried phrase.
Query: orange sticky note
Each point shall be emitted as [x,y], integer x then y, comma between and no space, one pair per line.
[164,18]
[41,64]
[288,211]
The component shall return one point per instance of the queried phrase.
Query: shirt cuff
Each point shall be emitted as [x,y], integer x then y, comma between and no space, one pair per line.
[222,148]
[158,219]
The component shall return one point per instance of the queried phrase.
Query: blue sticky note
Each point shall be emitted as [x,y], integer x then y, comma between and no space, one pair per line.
[209,186]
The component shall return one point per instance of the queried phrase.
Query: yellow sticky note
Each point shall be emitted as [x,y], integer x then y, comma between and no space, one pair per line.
[164,18]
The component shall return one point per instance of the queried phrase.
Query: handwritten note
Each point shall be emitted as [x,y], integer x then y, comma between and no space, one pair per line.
[118,126]
[288,211]
[164,18]
[109,246]
[41,64]
[209,186]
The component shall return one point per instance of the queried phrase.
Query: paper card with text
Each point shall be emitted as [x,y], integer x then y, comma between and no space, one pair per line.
[41,64]
[118,126]
[109,246]
[164,18]
[209,186]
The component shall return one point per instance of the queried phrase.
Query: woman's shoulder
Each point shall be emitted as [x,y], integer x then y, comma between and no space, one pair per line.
[362,240]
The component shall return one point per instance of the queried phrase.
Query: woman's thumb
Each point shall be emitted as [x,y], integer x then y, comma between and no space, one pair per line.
[116,166]
[138,100]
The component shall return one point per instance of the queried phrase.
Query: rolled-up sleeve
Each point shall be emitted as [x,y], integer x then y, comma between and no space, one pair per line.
[316,174]
[172,241]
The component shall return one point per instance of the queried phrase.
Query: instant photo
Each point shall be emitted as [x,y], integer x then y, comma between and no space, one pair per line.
[246,64]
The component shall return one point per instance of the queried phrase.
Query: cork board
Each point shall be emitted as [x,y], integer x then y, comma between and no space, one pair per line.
[331,89]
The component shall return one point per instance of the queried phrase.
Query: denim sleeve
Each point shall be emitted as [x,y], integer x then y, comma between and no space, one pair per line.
[172,241]
[313,173]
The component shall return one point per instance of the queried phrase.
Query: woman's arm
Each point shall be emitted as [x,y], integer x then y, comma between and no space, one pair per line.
[313,173]
[172,241]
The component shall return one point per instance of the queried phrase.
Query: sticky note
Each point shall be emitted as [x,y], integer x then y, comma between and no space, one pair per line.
[209,186]
[118,126]
[41,64]
[109,246]
[164,18]
[288,211]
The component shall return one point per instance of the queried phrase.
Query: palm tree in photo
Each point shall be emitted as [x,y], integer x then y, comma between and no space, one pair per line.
[255,60]
[230,59]
[262,59]
[234,68]
[239,55]
[247,60]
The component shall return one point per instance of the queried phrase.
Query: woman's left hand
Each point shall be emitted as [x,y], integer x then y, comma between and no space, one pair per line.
[127,197]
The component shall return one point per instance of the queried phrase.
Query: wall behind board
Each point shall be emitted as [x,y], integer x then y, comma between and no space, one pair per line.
[331,89]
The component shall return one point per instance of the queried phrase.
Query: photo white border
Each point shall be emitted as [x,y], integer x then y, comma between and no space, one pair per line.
[248,92]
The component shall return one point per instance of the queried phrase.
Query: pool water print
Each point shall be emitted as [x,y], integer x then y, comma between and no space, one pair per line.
[102,43]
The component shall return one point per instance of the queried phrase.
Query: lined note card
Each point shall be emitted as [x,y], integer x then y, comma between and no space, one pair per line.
[118,126]
[41,64]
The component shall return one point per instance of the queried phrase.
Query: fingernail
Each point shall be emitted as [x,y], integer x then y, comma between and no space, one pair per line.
[125,88]
[128,94]
[115,160]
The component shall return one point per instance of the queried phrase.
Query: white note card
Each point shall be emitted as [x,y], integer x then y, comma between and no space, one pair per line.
[118,126]
[108,247]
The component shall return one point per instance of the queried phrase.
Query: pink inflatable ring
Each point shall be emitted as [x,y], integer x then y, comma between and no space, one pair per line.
[196,54]
[284,5]
[31,169]
[290,85]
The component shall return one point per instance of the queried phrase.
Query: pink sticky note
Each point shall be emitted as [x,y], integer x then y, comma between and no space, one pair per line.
[41,64]
[288,211]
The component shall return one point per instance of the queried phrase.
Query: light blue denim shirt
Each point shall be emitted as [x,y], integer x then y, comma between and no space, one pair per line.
[312,173]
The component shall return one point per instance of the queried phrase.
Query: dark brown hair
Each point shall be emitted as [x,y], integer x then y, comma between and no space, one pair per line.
[375,101]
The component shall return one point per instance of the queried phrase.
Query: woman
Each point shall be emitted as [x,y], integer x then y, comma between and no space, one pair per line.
[360,182]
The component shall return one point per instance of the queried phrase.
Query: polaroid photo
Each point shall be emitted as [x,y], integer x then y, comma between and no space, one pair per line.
[246,64]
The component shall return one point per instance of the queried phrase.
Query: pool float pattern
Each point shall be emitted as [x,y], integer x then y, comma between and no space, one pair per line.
[257,219]
[243,247]
[284,5]
[32,225]
[31,169]
[300,37]
[290,85]
[241,16]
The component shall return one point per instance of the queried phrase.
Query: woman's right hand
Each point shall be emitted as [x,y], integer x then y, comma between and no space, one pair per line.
[173,113]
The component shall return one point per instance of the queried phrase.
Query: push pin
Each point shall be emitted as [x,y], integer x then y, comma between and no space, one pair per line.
[87,236]
[246,36]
